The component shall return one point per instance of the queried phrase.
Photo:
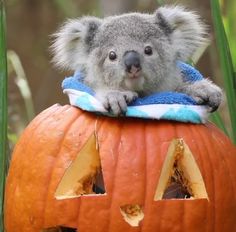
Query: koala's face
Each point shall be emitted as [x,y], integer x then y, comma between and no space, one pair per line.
[131,52]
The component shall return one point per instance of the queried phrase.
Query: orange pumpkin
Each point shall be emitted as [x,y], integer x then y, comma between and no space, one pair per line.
[153,176]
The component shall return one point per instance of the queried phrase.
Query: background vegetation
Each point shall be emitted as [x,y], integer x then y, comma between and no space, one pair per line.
[30,24]
[3,110]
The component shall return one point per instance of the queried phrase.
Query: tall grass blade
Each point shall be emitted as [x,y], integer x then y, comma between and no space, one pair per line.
[216,118]
[3,109]
[229,24]
[22,83]
[226,64]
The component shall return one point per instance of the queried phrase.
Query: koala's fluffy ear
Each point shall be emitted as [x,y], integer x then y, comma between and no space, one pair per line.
[73,42]
[186,31]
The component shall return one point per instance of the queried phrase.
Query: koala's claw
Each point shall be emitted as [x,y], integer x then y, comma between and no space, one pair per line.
[129,96]
[212,101]
[205,93]
[116,101]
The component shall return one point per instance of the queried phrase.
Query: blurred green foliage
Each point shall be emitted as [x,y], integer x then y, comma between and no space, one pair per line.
[3,110]
[71,8]
[229,14]
[45,15]
[21,81]
[226,62]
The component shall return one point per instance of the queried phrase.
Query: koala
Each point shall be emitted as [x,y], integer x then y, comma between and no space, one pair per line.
[135,54]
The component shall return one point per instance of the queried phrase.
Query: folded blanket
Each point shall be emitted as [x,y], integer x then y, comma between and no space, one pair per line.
[164,105]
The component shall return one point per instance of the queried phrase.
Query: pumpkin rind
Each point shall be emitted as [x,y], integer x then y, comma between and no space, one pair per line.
[132,153]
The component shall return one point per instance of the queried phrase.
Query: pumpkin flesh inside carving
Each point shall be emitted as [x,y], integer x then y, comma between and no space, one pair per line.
[132,214]
[180,176]
[84,175]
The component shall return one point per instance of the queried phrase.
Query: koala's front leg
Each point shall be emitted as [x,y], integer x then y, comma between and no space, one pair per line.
[204,92]
[116,101]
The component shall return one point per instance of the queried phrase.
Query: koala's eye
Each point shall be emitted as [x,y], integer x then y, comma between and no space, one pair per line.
[112,55]
[148,50]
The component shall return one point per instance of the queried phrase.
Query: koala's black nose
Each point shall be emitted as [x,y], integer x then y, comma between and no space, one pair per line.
[132,61]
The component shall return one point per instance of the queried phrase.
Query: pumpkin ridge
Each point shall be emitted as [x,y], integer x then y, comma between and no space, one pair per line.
[115,172]
[31,127]
[202,154]
[145,200]
[182,210]
[101,123]
[171,130]
[187,133]
[199,162]
[146,179]
[183,222]
[126,133]
[87,120]
[57,151]
[140,184]
[227,168]
[182,206]
[143,189]
[215,227]
[148,187]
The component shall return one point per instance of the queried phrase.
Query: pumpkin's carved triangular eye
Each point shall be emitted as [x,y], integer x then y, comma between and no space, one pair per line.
[84,175]
[180,176]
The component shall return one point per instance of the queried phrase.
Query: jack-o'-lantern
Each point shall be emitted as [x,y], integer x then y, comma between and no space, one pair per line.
[77,171]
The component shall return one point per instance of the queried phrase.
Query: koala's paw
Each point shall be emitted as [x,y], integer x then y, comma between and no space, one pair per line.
[206,93]
[116,101]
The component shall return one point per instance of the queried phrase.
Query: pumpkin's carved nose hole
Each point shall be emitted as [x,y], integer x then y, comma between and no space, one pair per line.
[132,214]
[84,176]
[180,175]
[60,229]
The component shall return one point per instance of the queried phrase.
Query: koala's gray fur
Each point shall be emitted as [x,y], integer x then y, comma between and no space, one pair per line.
[173,33]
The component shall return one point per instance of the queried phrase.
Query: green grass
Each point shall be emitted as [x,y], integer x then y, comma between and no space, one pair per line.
[14,63]
[229,25]
[3,110]
[227,68]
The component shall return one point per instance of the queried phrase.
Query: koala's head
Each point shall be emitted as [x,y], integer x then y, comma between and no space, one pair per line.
[131,50]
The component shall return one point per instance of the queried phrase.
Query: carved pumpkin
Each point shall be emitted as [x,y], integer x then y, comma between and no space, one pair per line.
[75,171]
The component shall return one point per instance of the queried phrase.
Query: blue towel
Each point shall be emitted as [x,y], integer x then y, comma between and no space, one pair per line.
[165,105]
